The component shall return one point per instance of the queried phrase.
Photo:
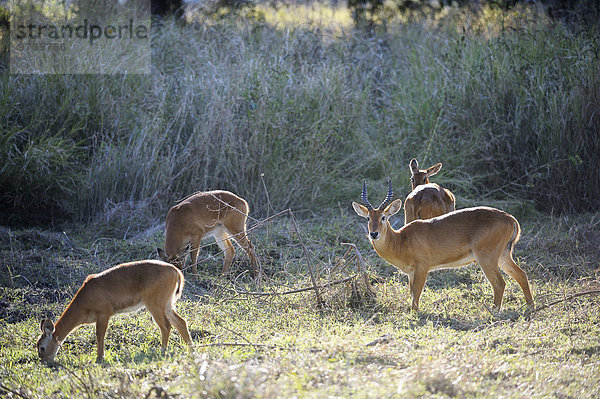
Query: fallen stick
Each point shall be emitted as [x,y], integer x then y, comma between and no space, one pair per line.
[576,295]
[8,390]
[383,339]
[219,344]
[253,293]
[242,337]
[254,346]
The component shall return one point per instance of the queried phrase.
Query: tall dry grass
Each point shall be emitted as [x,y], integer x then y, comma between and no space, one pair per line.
[231,103]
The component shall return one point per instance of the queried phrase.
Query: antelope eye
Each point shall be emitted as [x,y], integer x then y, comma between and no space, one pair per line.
[368,218]
[383,218]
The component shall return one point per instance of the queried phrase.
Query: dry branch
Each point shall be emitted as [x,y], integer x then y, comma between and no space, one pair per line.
[308,263]
[381,340]
[253,293]
[242,337]
[254,346]
[221,344]
[362,269]
[8,390]
[570,297]
[361,263]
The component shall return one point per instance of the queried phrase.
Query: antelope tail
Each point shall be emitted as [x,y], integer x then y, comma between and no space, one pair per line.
[180,284]
[515,236]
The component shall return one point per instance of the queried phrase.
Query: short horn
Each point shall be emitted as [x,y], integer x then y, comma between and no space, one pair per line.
[363,197]
[389,196]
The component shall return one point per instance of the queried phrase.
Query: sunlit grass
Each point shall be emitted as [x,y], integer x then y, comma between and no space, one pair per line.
[334,18]
[284,346]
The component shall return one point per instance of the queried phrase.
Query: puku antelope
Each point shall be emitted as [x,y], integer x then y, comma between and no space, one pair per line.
[427,200]
[220,214]
[481,234]
[124,288]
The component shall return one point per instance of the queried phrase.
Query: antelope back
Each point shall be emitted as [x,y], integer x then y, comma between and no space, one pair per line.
[200,213]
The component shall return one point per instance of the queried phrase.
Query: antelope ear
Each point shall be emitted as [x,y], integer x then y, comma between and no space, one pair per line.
[47,327]
[360,210]
[434,169]
[162,254]
[393,208]
[414,166]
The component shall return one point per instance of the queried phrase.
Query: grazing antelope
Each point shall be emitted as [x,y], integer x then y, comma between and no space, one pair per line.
[427,200]
[124,288]
[481,234]
[212,213]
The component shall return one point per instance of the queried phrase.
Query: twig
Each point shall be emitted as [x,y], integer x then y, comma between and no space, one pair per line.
[258,224]
[261,222]
[547,305]
[254,346]
[349,262]
[262,179]
[306,255]
[80,379]
[7,389]
[340,260]
[219,344]
[242,337]
[285,292]
[383,339]
[362,269]
[486,308]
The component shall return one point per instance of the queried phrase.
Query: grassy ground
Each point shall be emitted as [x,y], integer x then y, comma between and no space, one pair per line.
[274,346]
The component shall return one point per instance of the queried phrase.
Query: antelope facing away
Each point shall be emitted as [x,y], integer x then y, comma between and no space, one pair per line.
[220,214]
[481,234]
[427,200]
[124,288]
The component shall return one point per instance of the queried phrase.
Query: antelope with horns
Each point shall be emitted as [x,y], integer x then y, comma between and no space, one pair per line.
[221,214]
[124,288]
[427,200]
[481,234]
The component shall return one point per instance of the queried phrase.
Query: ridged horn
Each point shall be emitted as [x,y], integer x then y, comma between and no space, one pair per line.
[363,197]
[389,196]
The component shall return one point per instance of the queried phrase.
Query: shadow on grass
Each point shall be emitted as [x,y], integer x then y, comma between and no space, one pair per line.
[476,324]
[589,350]
[200,334]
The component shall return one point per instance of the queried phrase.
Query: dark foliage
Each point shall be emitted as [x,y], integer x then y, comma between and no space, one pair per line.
[572,12]
[166,8]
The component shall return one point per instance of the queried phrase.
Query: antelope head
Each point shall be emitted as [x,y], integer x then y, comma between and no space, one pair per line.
[377,217]
[47,344]
[177,260]
[421,176]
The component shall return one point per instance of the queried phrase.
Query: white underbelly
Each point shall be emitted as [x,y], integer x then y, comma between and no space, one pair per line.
[459,263]
[217,232]
[133,308]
